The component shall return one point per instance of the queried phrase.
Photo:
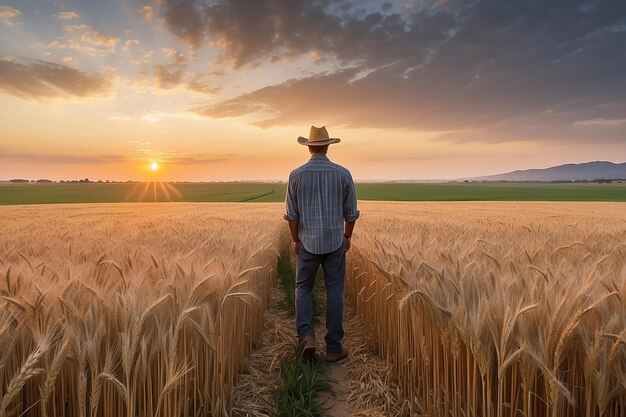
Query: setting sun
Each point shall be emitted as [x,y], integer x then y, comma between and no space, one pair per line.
[154,166]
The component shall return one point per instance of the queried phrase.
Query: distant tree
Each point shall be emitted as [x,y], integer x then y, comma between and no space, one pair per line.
[43,180]
[18,180]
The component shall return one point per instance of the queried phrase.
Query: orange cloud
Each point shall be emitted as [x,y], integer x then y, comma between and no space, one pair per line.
[130,43]
[35,79]
[100,39]
[202,83]
[74,28]
[7,13]
[146,13]
[64,42]
[91,42]
[61,159]
[66,15]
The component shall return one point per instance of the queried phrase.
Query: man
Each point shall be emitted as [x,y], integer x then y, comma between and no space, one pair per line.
[321,210]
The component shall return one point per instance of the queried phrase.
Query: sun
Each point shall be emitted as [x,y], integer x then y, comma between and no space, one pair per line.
[154,166]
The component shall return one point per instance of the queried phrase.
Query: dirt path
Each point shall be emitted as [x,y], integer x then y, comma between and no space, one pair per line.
[362,383]
[336,403]
[337,406]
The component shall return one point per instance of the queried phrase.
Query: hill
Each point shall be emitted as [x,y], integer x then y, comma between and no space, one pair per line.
[568,172]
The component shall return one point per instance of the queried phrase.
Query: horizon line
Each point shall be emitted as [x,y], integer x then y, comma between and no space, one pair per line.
[269,181]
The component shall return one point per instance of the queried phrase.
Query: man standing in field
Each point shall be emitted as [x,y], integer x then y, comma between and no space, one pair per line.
[321,210]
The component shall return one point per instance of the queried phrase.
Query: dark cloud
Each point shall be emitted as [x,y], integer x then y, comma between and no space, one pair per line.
[60,159]
[511,68]
[250,31]
[184,18]
[35,79]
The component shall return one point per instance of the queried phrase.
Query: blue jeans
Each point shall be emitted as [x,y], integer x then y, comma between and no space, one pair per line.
[334,267]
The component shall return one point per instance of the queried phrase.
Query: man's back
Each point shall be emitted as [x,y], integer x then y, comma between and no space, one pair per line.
[321,195]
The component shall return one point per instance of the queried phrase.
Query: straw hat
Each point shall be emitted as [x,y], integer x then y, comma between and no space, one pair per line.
[318,136]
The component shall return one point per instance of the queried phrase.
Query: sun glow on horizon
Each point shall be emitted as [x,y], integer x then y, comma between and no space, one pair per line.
[154,166]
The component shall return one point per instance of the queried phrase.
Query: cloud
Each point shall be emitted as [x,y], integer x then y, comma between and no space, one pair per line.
[178,158]
[184,18]
[144,59]
[170,75]
[61,159]
[203,83]
[91,41]
[251,31]
[129,44]
[490,70]
[34,79]
[146,13]
[100,39]
[7,14]
[66,15]
[75,28]
[601,122]
[196,159]
[63,42]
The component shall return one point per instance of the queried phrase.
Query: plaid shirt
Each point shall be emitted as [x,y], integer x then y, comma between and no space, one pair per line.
[321,196]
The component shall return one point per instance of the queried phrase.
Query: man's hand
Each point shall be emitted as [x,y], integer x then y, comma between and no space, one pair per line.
[347,234]
[296,247]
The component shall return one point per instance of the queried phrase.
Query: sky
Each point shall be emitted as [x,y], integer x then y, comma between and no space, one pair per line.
[220,90]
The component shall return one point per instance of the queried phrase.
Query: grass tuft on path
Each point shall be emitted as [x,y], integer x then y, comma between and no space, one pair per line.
[301,385]
[301,382]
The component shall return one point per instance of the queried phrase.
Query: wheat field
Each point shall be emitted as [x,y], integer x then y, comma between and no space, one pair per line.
[130,309]
[480,309]
[497,309]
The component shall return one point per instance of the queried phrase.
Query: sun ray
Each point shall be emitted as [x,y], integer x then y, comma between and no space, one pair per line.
[165,191]
[144,192]
[154,191]
[132,192]
[174,190]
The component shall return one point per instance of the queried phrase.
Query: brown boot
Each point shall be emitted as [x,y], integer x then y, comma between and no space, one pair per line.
[308,347]
[334,357]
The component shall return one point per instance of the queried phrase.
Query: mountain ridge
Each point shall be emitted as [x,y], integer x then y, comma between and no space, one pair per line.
[566,172]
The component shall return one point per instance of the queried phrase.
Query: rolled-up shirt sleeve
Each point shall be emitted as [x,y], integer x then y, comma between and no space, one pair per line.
[350,212]
[291,201]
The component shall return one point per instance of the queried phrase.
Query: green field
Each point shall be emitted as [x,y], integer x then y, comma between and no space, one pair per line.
[162,192]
